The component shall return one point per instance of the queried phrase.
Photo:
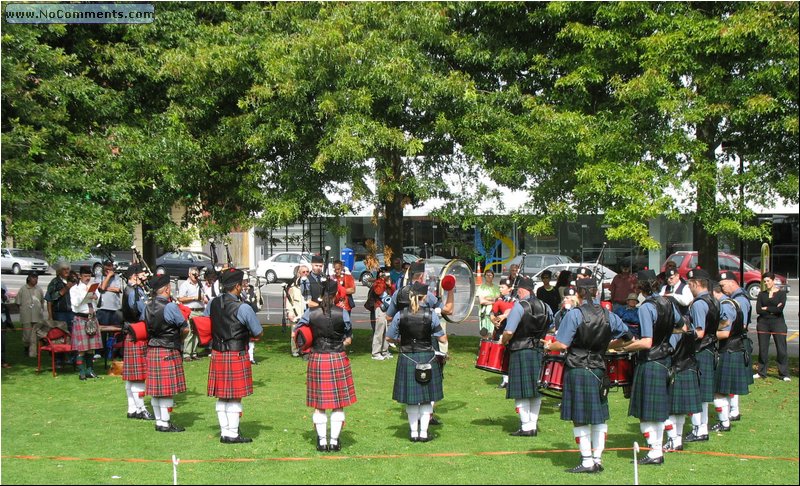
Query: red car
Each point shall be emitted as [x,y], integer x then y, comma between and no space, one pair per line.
[687,260]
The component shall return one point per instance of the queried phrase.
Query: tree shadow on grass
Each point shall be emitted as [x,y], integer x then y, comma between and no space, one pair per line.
[505,424]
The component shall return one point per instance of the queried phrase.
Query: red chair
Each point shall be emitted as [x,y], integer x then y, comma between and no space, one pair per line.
[56,341]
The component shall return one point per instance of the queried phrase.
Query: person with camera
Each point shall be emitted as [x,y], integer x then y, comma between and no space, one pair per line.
[109,293]
[377,303]
[59,306]
[85,332]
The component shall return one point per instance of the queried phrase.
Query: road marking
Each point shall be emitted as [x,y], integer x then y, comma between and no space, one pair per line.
[796,333]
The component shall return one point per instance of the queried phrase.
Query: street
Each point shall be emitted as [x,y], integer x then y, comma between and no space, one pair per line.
[272,311]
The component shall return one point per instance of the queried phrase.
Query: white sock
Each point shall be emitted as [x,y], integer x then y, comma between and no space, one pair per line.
[722,406]
[703,429]
[413,419]
[582,438]
[156,404]
[505,379]
[669,427]
[166,410]
[251,350]
[523,409]
[649,431]
[234,411]
[222,418]
[320,420]
[599,434]
[131,401]
[658,442]
[536,405]
[137,390]
[678,428]
[734,401]
[337,421]
[425,411]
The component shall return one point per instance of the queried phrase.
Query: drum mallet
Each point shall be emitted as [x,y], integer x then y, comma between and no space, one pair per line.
[635,464]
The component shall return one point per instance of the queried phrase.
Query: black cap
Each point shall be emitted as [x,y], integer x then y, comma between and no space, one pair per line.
[108,263]
[727,275]
[317,259]
[646,274]
[159,281]
[546,273]
[670,272]
[230,277]
[507,282]
[85,270]
[525,283]
[584,271]
[586,283]
[419,288]
[132,270]
[416,267]
[570,291]
[331,286]
[698,274]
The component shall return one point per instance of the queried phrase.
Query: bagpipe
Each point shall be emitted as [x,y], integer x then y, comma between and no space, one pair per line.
[139,260]
[304,337]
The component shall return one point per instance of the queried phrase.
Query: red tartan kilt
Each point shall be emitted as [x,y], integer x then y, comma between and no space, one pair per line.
[82,342]
[230,375]
[165,376]
[329,381]
[134,361]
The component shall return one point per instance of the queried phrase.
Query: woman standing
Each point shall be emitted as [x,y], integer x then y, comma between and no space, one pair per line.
[770,306]
[329,381]
[417,379]
[32,311]
[487,293]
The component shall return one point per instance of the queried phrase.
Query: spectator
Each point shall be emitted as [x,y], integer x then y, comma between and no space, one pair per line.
[109,293]
[295,302]
[623,284]
[548,293]
[210,286]
[397,271]
[677,290]
[563,282]
[30,299]
[59,306]
[191,294]
[6,324]
[630,314]
[487,293]
[769,307]
[347,286]
[379,296]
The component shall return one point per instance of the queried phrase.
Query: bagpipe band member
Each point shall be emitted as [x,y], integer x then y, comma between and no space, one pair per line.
[83,343]
[329,380]
[134,359]
[166,327]
[230,376]
[501,308]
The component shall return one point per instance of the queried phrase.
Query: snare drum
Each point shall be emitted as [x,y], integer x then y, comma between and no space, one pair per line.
[492,357]
[550,338]
[619,367]
[552,375]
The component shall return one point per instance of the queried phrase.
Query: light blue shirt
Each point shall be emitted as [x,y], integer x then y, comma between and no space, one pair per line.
[514,317]
[574,318]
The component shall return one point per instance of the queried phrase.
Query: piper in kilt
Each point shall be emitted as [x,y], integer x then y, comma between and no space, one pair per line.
[650,396]
[526,327]
[414,328]
[230,376]
[685,389]
[166,328]
[586,332]
[329,381]
[134,359]
[733,371]
[83,344]
[704,314]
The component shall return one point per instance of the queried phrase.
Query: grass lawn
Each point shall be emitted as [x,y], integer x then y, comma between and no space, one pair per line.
[64,431]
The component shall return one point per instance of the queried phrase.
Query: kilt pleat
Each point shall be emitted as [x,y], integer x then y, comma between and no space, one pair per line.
[705,366]
[82,342]
[748,348]
[329,381]
[407,390]
[165,376]
[685,393]
[580,401]
[732,374]
[230,375]
[524,367]
[134,361]
[650,400]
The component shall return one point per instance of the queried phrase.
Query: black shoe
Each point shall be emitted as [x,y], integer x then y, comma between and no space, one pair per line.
[253,362]
[82,377]
[434,421]
[719,427]
[235,440]
[145,415]
[583,469]
[670,447]
[735,418]
[413,439]
[169,428]
[647,460]
[134,415]
[695,438]
[598,467]
[90,374]
[322,447]
[425,439]
[524,433]
[334,447]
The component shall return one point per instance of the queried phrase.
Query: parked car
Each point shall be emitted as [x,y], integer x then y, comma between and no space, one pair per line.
[361,274]
[687,260]
[176,264]
[280,266]
[95,261]
[598,271]
[18,261]
[535,262]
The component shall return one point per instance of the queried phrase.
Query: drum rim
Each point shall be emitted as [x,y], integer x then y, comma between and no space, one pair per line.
[445,268]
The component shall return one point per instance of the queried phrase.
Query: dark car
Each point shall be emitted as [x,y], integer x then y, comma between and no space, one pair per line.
[176,264]
[95,261]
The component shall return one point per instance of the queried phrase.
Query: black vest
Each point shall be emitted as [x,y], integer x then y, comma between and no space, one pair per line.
[662,329]
[415,331]
[712,322]
[734,342]
[402,300]
[228,334]
[162,334]
[131,314]
[683,357]
[591,339]
[328,331]
[532,326]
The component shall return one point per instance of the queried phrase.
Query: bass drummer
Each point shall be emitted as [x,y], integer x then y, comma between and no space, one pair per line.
[526,327]
[500,311]
[586,332]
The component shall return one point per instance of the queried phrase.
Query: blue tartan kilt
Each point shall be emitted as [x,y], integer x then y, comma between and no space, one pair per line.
[748,348]
[524,367]
[705,366]
[732,374]
[685,393]
[406,388]
[580,401]
[650,400]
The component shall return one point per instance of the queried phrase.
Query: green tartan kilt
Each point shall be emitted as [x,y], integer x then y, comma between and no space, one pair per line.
[650,400]
[732,374]
[580,401]
[406,388]
[524,367]
[685,393]
[748,348]
[705,366]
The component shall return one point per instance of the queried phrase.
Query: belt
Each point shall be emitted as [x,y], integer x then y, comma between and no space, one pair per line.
[80,314]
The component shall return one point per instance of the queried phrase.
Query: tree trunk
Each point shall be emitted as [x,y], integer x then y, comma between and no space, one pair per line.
[706,243]
[393,210]
[148,246]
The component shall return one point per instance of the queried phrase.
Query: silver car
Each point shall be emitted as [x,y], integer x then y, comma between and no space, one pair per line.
[18,261]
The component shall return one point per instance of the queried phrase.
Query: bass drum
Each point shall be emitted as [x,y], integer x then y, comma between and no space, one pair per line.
[463,290]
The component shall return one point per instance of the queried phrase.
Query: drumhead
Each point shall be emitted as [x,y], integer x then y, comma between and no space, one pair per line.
[464,290]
